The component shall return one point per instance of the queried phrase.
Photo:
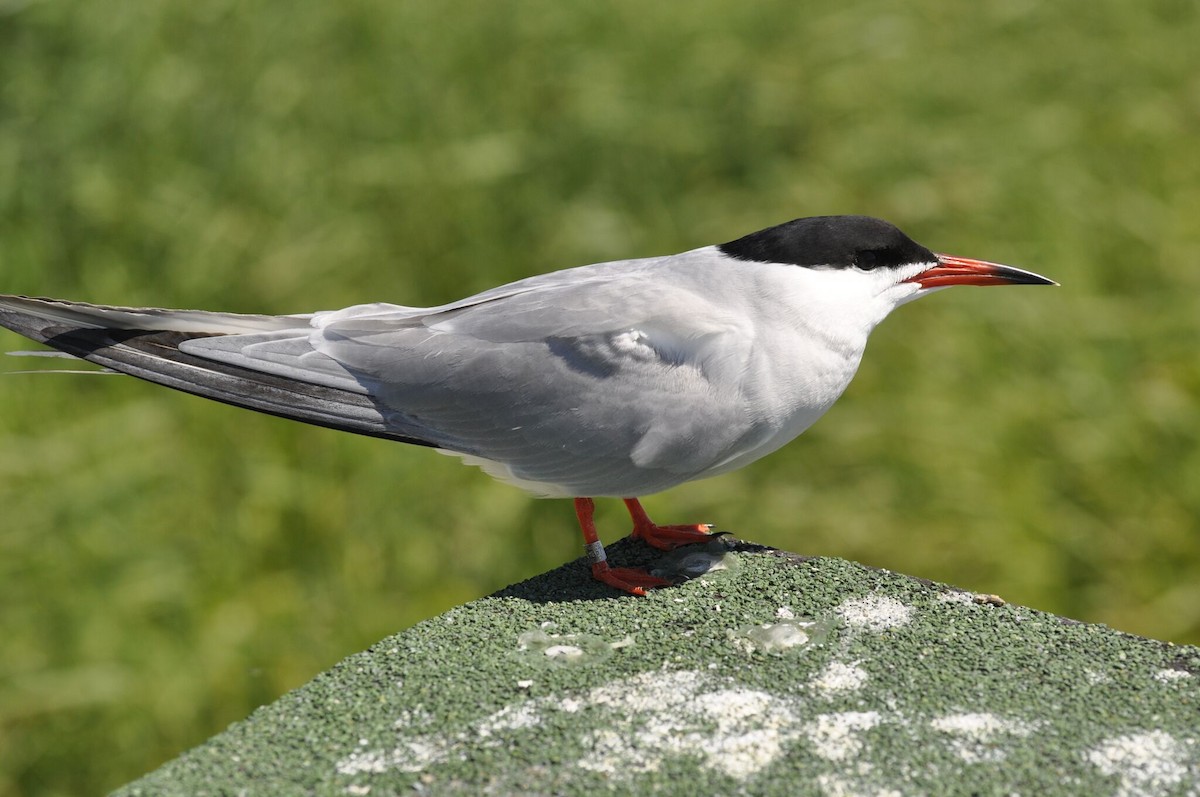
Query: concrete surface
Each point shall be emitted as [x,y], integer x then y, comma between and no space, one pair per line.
[768,674]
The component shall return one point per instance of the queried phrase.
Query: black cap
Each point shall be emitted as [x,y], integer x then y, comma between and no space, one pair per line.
[831,241]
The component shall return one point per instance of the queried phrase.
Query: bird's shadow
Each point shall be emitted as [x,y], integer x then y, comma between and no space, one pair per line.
[573,581]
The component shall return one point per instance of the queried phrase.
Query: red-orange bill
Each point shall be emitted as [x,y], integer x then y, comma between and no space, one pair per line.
[951,270]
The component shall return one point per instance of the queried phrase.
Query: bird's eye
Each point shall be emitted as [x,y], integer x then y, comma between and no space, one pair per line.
[866,260]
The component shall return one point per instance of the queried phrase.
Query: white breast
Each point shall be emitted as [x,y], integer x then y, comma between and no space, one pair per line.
[810,330]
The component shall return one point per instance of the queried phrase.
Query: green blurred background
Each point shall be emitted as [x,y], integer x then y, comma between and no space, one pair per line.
[167,564]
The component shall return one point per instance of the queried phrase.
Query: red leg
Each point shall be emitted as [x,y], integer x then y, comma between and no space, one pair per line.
[664,538]
[629,579]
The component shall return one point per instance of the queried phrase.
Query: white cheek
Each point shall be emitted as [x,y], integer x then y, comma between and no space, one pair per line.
[845,301]
[905,292]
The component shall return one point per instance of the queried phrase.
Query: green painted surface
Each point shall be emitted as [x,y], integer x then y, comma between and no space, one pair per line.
[559,686]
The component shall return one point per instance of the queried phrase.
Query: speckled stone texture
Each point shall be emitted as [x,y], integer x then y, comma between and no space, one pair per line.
[767,674]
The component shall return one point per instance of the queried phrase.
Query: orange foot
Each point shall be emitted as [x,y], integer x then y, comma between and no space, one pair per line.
[665,538]
[629,579]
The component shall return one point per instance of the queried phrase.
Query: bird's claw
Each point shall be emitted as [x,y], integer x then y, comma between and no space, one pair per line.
[627,579]
[668,538]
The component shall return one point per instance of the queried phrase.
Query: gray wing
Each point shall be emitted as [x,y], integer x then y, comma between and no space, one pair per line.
[609,382]
[617,379]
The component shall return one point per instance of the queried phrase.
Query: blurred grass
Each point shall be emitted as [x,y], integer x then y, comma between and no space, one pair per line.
[166,564]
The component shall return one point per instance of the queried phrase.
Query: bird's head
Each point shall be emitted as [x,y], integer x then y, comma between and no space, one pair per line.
[860,257]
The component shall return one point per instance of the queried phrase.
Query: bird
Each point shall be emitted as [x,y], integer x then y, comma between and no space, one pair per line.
[618,379]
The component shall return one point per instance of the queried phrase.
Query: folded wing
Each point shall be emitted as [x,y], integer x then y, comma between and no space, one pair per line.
[585,382]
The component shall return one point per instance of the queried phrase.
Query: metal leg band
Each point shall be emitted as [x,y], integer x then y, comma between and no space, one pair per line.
[595,552]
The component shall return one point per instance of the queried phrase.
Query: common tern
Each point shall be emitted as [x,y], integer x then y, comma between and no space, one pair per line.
[618,379]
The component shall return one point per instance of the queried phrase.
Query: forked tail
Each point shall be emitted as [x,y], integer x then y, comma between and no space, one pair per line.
[144,342]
